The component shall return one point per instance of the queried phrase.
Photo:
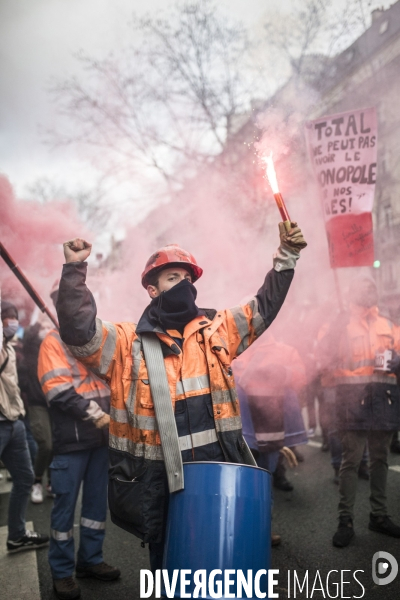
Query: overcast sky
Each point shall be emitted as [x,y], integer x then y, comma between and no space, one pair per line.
[38,39]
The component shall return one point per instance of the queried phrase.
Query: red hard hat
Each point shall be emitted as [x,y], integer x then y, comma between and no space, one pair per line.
[170,256]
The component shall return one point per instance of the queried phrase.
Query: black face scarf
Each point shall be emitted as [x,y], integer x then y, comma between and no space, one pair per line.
[175,308]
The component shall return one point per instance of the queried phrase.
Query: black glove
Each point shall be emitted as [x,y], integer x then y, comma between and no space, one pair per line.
[394,363]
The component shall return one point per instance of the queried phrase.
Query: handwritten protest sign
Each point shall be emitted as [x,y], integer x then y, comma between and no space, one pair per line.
[343,154]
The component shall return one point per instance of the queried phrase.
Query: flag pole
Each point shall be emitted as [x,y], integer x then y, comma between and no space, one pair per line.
[10,262]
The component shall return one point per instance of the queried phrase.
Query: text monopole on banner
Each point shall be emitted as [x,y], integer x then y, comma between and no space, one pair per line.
[343,154]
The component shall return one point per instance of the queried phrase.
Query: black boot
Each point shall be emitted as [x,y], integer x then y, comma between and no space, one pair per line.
[66,588]
[344,533]
[395,445]
[279,477]
[281,483]
[384,525]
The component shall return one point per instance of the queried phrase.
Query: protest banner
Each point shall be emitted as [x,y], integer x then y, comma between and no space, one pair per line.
[343,153]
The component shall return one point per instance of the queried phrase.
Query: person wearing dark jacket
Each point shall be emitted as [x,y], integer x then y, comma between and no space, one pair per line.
[367,403]
[205,417]
[79,404]
[37,408]
[14,451]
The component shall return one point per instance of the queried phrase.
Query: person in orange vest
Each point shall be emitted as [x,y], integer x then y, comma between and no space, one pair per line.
[367,403]
[328,392]
[79,404]
[195,348]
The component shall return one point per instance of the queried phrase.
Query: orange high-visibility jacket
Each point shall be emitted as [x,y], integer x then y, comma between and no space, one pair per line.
[366,398]
[366,334]
[75,396]
[203,367]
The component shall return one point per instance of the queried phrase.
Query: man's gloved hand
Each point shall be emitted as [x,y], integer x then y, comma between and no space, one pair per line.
[394,364]
[293,239]
[104,421]
[290,456]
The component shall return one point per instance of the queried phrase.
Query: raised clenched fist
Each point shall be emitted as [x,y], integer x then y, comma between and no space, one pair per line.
[76,250]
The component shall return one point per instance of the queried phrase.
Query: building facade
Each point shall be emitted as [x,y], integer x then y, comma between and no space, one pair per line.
[367,74]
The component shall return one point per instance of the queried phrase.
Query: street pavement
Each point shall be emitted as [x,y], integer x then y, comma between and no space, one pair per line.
[305,518]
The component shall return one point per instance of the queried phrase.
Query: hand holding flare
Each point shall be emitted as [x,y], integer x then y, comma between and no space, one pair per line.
[290,234]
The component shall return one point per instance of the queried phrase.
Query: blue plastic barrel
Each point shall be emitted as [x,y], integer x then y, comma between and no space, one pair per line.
[221,520]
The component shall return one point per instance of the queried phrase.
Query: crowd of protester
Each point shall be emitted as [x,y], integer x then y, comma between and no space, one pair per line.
[351,367]
[327,367]
[54,418]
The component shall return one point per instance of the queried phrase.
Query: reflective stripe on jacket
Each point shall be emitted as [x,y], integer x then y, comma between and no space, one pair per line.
[366,398]
[113,351]
[75,396]
[58,370]
[366,334]
[265,375]
[204,367]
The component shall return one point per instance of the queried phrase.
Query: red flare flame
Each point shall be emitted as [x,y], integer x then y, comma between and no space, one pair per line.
[273,182]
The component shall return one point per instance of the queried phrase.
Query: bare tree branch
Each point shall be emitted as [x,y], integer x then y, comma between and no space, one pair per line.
[170,99]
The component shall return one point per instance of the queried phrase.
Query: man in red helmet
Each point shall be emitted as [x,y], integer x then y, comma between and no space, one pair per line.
[175,363]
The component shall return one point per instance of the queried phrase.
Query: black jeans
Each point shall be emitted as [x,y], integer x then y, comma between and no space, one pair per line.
[15,455]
